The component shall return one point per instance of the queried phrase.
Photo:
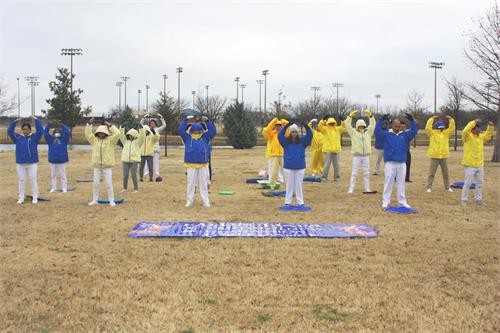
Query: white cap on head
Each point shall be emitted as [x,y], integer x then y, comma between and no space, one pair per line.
[360,123]
[294,128]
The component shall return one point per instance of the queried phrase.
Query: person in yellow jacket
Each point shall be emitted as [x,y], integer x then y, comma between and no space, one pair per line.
[103,143]
[473,159]
[316,145]
[281,178]
[148,150]
[331,145]
[361,148]
[438,150]
[276,153]
[131,154]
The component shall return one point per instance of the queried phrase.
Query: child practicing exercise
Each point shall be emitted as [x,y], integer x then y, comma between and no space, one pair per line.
[26,155]
[103,143]
[396,144]
[147,150]
[153,124]
[331,145]
[58,154]
[361,148]
[438,150]
[295,160]
[316,145]
[196,153]
[473,159]
[131,154]
[270,132]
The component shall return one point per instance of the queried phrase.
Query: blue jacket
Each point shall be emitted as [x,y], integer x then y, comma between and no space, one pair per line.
[26,146]
[58,147]
[295,153]
[395,145]
[197,151]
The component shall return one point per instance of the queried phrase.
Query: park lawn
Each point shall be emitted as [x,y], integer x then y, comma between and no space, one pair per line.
[67,267]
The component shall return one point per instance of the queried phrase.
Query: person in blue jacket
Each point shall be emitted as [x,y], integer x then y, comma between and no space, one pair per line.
[196,155]
[395,142]
[379,146]
[58,154]
[26,155]
[294,167]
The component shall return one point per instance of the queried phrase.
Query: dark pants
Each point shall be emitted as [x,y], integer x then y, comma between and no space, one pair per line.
[408,165]
[145,159]
[210,167]
[132,169]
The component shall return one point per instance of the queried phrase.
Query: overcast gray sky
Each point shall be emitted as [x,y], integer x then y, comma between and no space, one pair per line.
[370,46]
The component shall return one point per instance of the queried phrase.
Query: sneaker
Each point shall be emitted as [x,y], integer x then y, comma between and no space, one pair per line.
[189,204]
[277,186]
[384,206]
[20,201]
[450,190]
[65,190]
[52,190]
[124,190]
[112,203]
[206,204]
[429,190]
[336,179]
[35,200]
[92,203]
[313,174]
[404,205]
[349,192]
[135,191]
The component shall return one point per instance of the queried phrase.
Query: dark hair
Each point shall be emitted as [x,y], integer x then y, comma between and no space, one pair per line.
[291,140]
[26,125]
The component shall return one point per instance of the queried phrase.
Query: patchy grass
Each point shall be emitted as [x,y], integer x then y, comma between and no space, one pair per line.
[263,317]
[329,313]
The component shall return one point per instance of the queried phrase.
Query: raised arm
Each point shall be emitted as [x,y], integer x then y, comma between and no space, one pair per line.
[163,125]
[39,130]
[348,122]
[281,135]
[11,129]
[114,133]
[142,136]
[466,132]
[451,126]
[486,136]
[66,133]
[211,130]
[342,127]
[379,132]
[122,136]
[371,125]
[46,134]
[429,126]
[89,134]
[182,129]
[307,139]
[266,131]
[413,130]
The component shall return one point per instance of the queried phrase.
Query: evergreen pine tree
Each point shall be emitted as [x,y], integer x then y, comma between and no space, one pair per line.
[238,127]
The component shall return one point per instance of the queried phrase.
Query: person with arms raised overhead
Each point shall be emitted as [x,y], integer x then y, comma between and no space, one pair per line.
[332,134]
[58,154]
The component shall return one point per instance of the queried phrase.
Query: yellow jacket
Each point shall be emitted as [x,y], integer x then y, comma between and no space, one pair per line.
[103,150]
[132,148]
[317,141]
[148,145]
[361,143]
[331,135]
[473,145]
[439,139]
[273,146]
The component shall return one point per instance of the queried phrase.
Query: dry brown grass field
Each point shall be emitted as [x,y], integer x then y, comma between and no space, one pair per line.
[67,267]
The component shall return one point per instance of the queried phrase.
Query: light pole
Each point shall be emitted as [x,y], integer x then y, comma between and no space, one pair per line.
[488,86]
[436,66]
[194,94]
[18,99]
[125,79]
[179,70]
[139,99]
[260,82]
[119,84]
[315,89]
[165,77]
[71,52]
[337,85]
[206,87]
[265,73]
[377,96]
[32,82]
[237,80]
[242,86]
[147,97]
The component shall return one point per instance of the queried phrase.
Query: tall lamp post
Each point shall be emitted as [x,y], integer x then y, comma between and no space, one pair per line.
[206,87]
[488,87]
[18,99]
[71,52]
[242,86]
[125,79]
[194,94]
[32,82]
[147,97]
[139,99]
[237,80]
[265,73]
[260,82]
[377,96]
[179,70]
[119,84]
[337,85]
[165,77]
[436,66]
[315,89]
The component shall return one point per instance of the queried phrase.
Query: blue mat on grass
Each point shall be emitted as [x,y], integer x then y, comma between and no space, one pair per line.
[461,185]
[312,179]
[401,210]
[254,180]
[301,208]
[274,193]
[246,229]
[106,201]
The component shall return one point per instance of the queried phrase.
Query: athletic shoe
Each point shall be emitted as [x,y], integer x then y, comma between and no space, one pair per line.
[112,203]
[135,191]
[206,204]
[450,190]
[313,175]
[35,200]
[52,190]
[64,190]
[124,190]
[20,201]
[92,203]
[277,186]
[384,206]
[189,204]
[336,179]
[349,192]
[429,190]
[405,206]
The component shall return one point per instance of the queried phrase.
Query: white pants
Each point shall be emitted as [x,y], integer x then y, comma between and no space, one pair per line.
[58,168]
[394,171]
[197,177]
[294,180]
[108,181]
[380,159]
[364,161]
[156,165]
[270,171]
[473,175]
[31,169]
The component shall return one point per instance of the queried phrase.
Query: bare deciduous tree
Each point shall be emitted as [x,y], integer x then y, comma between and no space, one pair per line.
[213,107]
[6,103]
[454,103]
[414,106]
